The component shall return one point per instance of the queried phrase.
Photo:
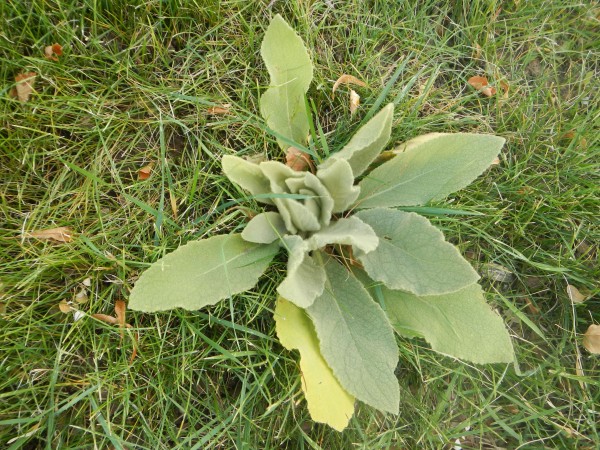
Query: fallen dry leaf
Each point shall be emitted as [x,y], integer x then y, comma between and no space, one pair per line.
[297,159]
[144,172]
[120,312]
[575,295]
[60,234]
[64,307]
[505,87]
[496,161]
[354,102]
[476,54]
[346,79]
[106,318]
[219,110]
[591,339]
[53,51]
[173,202]
[24,87]
[81,296]
[482,85]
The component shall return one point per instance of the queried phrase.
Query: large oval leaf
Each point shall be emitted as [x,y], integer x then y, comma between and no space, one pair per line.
[412,254]
[432,168]
[356,338]
[201,273]
[367,143]
[291,71]
[460,324]
[327,400]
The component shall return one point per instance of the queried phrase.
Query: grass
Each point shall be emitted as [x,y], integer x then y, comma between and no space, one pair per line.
[134,86]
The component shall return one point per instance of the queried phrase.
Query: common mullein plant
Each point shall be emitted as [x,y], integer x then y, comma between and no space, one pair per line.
[358,270]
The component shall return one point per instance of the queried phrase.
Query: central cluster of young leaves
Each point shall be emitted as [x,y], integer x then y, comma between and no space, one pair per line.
[402,277]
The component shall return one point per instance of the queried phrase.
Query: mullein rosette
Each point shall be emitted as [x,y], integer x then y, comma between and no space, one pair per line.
[342,317]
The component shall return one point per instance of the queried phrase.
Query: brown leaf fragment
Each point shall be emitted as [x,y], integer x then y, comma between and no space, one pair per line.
[346,79]
[219,110]
[60,234]
[106,318]
[64,307]
[144,172]
[53,51]
[496,161]
[591,339]
[120,308]
[481,84]
[476,54]
[354,102]
[24,87]
[505,88]
[173,202]
[81,296]
[575,294]
[297,159]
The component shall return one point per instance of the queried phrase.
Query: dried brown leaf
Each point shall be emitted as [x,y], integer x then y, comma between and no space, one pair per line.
[120,309]
[106,318]
[354,102]
[496,161]
[591,339]
[53,51]
[482,85]
[144,172]
[219,110]
[81,296]
[346,79]
[60,234]
[64,307]
[173,202]
[505,88]
[476,54]
[297,159]
[24,87]
[576,295]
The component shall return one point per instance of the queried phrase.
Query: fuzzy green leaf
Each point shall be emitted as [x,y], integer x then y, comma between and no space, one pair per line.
[327,400]
[349,231]
[460,324]
[368,142]
[264,228]
[356,338]
[412,255]
[338,178]
[305,279]
[291,71]
[201,273]
[247,175]
[436,167]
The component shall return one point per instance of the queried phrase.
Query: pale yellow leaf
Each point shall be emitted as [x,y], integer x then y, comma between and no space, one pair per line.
[60,234]
[24,86]
[347,79]
[81,296]
[2,308]
[591,339]
[64,307]
[354,102]
[173,202]
[327,400]
[575,295]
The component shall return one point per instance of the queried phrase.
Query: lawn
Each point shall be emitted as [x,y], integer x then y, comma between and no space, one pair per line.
[175,84]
